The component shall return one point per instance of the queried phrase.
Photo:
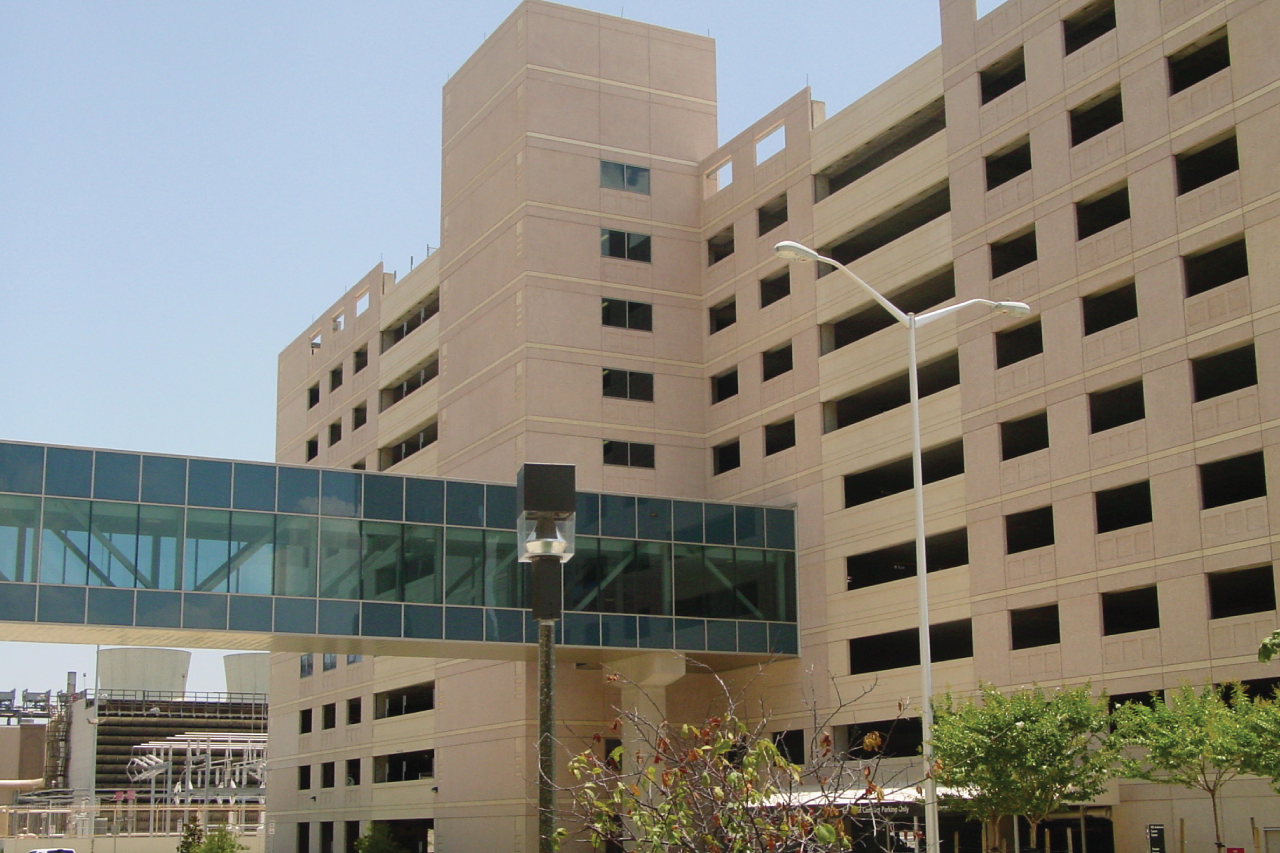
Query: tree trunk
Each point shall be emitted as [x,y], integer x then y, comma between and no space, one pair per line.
[1217,829]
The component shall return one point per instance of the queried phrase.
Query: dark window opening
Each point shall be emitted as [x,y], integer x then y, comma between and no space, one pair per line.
[419,314]
[1023,436]
[1230,481]
[1242,591]
[775,287]
[1116,407]
[620,176]
[1130,610]
[1004,166]
[1224,372]
[790,745]
[938,375]
[900,738]
[726,457]
[625,245]
[1110,308]
[884,565]
[405,700]
[1199,61]
[724,386]
[1123,506]
[1087,25]
[1207,163]
[1096,115]
[404,766]
[355,711]
[1264,688]
[304,721]
[627,385]
[771,214]
[902,137]
[1013,253]
[1004,74]
[360,359]
[329,716]
[775,362]
[313,396]
[724,315]
[353,772]
[898,222]
[720,245]
[610,745]
[936,463]
[622,314]
[335,378]
[403,449]
[1024,531]
[304,777]
[629,454]
[1034,626]
[359,416]
[779,437]
[1148,698]
[328,774]
[1215,267]
[1102,212]
[335,433]
[915,298]
[303,838]
[313,448]
[306,665]
[896,649]
[1019,343]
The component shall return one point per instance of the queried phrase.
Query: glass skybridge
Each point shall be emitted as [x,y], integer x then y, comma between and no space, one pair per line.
[102,546]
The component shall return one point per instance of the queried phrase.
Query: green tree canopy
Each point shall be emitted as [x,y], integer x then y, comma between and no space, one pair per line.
[377,839]
[1022,754]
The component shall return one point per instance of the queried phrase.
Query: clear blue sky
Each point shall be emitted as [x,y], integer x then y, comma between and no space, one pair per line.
[183,186]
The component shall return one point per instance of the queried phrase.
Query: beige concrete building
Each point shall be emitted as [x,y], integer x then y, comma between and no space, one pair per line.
[606,294]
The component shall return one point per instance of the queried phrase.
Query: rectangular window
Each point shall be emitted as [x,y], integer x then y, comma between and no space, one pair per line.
[1034,626]
[335,378]
[937,463]
[1129,610]
[1109,308]
[1224,372]
[1123,506]
[888,394]
[775,287]
[1102,211]
[1013,252]
[790,745]
[622,314]
[304,721]
[627,385]
[1023,436]
[726,457]
[404,766]
[328,774]
[355,710]
[1019,343]
[916,297]
[304,777]
[1008,163]
[629,454]
[1088,25]
[885,565]
[1024,531]
[329,715]
[724,386]
[720,245]
[1099,113]
[329,661]
[354,659]
[1210,268]
[724,315]
[888,145]
[898,738]
[402,450]
[359,416]
[1230,481]
[1241,591]
[896,649]
[405,700]
[419,376]
[621,176]
[1116,407]
[353,772]
[302,842]
[313,396]
[775,362]
[305,665]
[360,359]
[411,320]
[1199,61]
[771,214]
[1206,163]
[1007,72]
[335,433]
[780,436]
[625,245]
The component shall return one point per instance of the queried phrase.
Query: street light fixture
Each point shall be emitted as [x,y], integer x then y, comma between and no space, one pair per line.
[546,504]
[792,251]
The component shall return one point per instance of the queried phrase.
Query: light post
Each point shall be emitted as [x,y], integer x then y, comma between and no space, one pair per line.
[545,503]
[792,251]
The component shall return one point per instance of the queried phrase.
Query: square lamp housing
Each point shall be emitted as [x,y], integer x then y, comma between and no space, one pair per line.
[545,503]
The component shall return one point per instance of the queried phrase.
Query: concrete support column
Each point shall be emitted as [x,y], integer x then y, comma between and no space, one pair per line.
[644,681]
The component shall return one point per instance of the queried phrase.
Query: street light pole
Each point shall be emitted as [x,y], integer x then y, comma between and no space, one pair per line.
[792,251]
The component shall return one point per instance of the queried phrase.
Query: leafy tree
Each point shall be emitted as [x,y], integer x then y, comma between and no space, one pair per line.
[1200,741]
[220,840]
[192,837]
[377,839]
[1022,754]
[1270,646]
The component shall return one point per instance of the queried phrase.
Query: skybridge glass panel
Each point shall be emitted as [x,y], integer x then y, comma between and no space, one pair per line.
[19,529]
[113,544]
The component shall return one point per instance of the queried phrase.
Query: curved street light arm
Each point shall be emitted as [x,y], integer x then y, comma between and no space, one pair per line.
[797,252]
[1015,309]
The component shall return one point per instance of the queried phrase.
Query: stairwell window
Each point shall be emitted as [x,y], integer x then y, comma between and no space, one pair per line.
[625,245]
